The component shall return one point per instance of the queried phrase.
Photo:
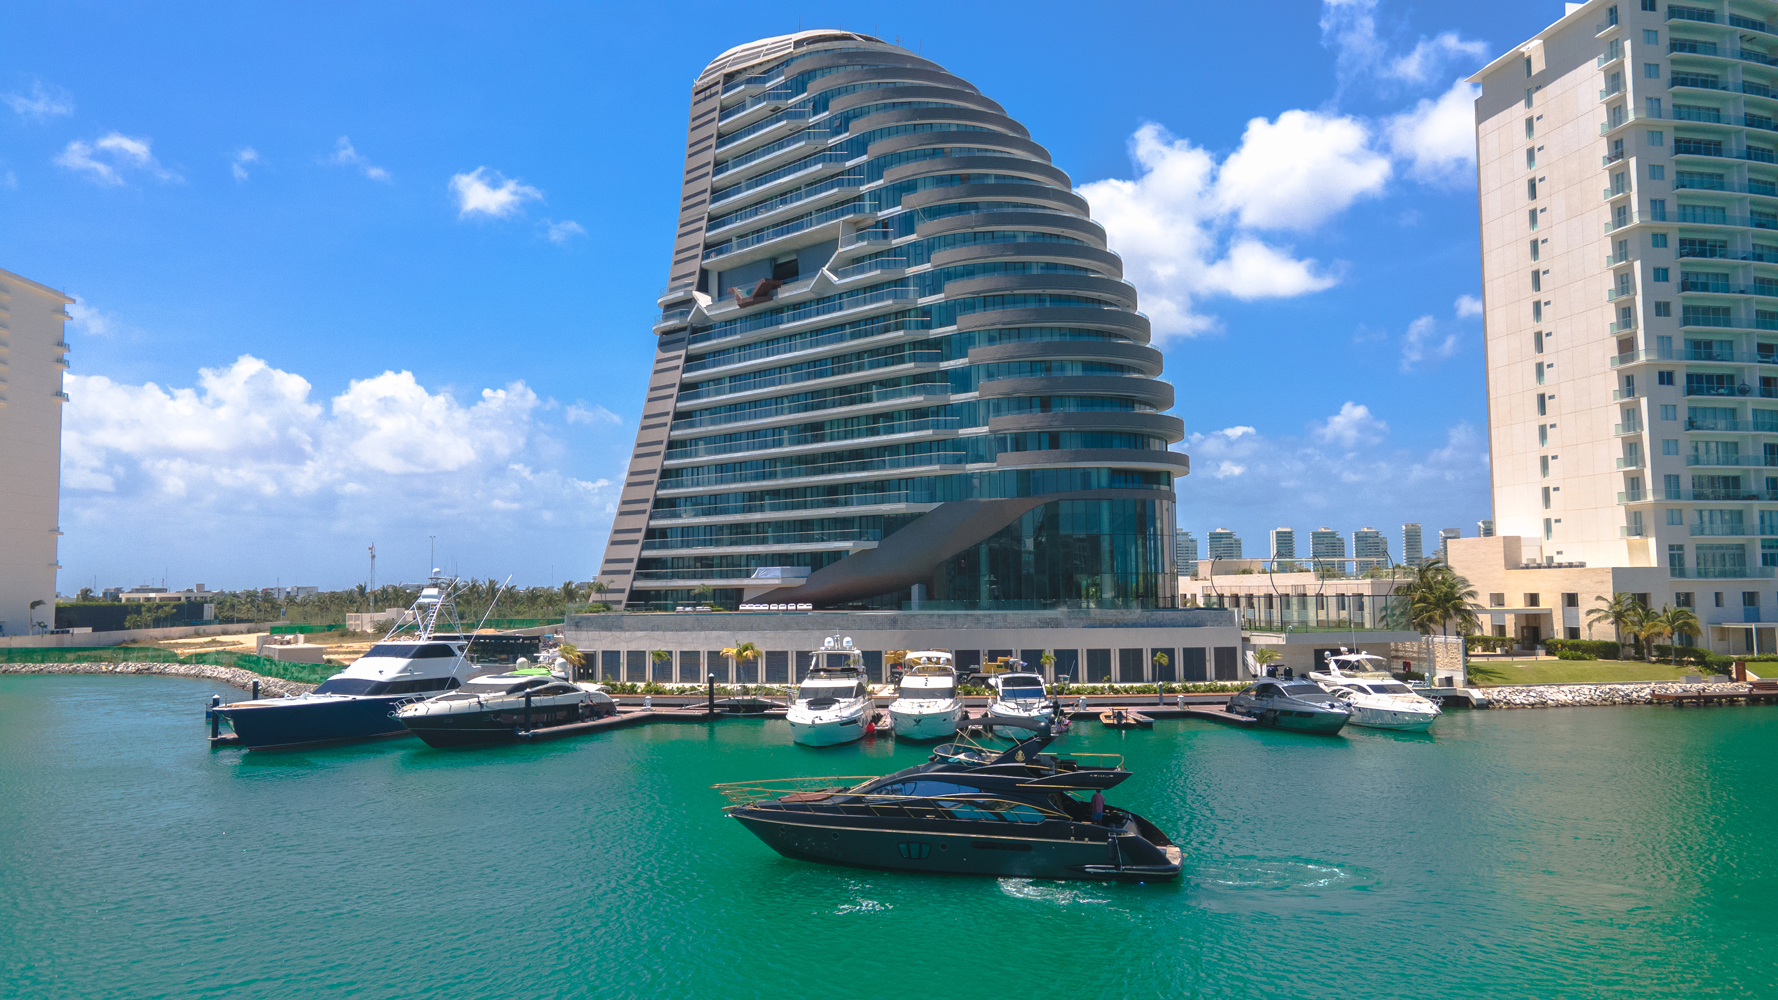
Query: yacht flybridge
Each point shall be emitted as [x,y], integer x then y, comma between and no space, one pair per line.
[426,655]
[832,704]
[1020,696]
[926,706]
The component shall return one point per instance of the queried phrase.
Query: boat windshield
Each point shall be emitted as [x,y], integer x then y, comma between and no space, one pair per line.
[940,693]
[1022,693]
[411,651]
[368,686]
[1388,687]
[838,692]
[1298,690]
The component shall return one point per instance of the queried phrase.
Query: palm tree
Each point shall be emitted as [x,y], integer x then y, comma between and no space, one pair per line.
[704,593]
[1651,627]
[738,652]
[1160,660]
[1622,611]
[660,656]
[570,593]
[1683,621]
[1436,596]
[576,659]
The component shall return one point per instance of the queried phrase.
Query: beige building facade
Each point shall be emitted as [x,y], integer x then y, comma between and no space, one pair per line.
[1627,162]
[33,355]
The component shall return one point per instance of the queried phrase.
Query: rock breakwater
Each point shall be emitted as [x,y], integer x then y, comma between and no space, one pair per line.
[1583,695]
[243,679]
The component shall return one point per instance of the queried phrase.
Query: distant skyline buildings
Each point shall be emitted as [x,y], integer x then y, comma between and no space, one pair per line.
[1185,553]
[1283,543]
[1369,548]
[1412,550]
[1361,549]
[1326,543]
[1224,544]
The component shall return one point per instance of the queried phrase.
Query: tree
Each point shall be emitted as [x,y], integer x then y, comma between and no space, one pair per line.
[738,652]
[1265,655]
[1048,659]
[34,623]
[1652,627]
[570,593]
[599,587]
[1160,661]
[1683,621]
[575,658]
[1434,597]
[660,658]
[704,593]
[86,594]
[1622,611]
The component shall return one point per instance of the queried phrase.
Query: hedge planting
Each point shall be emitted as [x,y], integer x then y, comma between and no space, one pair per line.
[1603,649]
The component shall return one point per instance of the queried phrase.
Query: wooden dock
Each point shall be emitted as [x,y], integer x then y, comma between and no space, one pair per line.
[1700,699]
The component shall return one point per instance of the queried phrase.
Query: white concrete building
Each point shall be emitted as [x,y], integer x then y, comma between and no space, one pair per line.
[33,355]
[1628,186]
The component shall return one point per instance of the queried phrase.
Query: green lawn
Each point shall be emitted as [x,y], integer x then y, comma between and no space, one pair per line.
[1574,671]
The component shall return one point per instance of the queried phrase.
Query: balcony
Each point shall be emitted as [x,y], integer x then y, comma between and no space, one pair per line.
[1715,151]
[782,506]
[741,384]
[1630,463]
[1614,259]
[1619,430]
[1632,531]
[783,442]
[935,391]
[1720,531]
[672,317]
[1621,394]
[1702,14]
[1633,496]
[877,265]
[1765,188]
[850,538]
[1767,288]
[1670,354]
[1722,573]
[814,221]
[799,472]
[1735,462]
[1732,426]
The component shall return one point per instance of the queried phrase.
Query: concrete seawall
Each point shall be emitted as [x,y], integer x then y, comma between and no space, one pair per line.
[243,679]
[1584,695]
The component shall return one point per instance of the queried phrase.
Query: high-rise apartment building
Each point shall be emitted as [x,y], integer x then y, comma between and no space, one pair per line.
[895,360]
[1185,553]
[1369,549]
[1445,535]
[33,356]
[1283,543]
[1326,543]
[1485,528]
[1412,548]
[1224,544]
[1628,168]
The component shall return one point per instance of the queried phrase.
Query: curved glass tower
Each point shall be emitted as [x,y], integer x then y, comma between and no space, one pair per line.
[896,361]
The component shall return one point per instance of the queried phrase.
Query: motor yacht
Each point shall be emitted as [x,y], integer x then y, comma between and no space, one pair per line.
[1020,696]
[496,708]
[1380,704]
[425,656]
[833,703]
[1014,812]
[926,706]
[1299,705]
[1347,665]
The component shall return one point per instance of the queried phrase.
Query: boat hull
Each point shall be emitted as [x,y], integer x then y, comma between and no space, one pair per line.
[827,733]
[294,722]
[1052,850]
[1321,723]
[926,725]
[1384,718]
[496,726]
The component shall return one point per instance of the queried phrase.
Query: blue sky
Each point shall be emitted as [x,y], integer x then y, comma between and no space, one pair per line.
[354,275]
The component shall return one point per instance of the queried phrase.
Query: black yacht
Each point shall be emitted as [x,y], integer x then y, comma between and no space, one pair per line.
[969,810]
[497,708]
[1288,703]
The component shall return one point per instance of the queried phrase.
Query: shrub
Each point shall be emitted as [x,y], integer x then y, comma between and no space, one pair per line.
[1595,649]
[1487,643]
[1694,655]
[1574,654]
[1410,675]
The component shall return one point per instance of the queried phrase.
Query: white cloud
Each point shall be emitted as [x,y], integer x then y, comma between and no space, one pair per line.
[1468,306]
[560,233]
[242,157]
[1422,342]
[1180,238]
[1427,61]
[43,102]
[1349,28]
[108,159]
[1437,137]
[579,412]
[1300,170]
[1233,433]
[344,155]
[89,321]
[1226,469]
[1350,427]
[486,192]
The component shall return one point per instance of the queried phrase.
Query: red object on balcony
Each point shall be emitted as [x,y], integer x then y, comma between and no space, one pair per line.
[761,291]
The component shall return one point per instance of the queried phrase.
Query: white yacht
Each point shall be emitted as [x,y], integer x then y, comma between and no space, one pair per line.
[833,704]
[1377,700]
[1020,696]
[926,706]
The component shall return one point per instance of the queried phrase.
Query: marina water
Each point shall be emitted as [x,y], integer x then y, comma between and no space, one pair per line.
[1560,853]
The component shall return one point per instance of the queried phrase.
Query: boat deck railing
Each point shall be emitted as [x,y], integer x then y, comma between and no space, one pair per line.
[979,808]
[741,793]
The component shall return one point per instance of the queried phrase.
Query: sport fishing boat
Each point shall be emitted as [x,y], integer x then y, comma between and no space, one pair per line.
[496,708]
[415,660]
[832,705]
[1020,696]
[1013,812]
[1298,705]
[926,706]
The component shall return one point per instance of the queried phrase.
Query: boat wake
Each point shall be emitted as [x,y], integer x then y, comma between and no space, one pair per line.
[1050,892]
[862,906]
[1280,874]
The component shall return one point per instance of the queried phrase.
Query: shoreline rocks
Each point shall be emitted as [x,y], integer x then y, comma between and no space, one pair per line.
[1588,695]
[271,687]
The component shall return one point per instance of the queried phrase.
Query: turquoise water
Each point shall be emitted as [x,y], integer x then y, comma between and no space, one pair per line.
[1558,853]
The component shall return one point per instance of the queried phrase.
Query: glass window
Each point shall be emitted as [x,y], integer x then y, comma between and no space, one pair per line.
[1651,71]
[1657,239]
[1656,172]
[1675,515]
[1657,139]
[1663,378]
[1660,274]
[1669,411]
[1533,249]
[1670,446]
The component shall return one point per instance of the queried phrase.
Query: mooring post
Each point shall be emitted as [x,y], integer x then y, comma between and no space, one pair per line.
[710,696]
[255,690]
[527,711]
